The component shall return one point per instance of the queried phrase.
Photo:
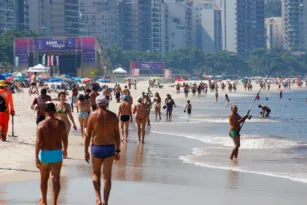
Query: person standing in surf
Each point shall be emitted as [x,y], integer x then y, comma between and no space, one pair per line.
[235,121]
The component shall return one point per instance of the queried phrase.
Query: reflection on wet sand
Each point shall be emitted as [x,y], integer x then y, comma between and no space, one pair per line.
[137,174]
[232,181]
[2,196]
[120,169]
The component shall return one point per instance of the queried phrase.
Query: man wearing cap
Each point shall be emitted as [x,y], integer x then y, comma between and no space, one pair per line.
[6,108]
[50,149]
[125,114]
[103,128]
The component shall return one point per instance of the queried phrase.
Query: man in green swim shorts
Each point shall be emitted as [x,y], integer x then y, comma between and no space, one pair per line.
[50,149]
[235,121]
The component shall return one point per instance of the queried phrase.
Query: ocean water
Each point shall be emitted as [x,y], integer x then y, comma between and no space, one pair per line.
[275,146]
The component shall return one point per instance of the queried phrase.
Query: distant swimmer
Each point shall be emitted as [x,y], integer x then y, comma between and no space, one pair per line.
[50,149]
[103,132]
[267,99]
[265,110]
[235,121]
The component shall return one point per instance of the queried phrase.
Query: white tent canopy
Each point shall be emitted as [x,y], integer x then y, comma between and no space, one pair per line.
[119,71]
[39,68]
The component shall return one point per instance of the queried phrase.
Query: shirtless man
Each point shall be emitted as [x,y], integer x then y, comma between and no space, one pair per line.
[39,104]
[105,146]
[125,114]
[125,91]
[141,111]
[93,97]
[129,84]
[265,110]
[33,83]
[235,121]
[106,92]
[74,97]
[50,149]
[118,93]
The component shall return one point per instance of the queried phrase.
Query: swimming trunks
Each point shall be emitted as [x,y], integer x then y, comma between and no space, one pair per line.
[169,108]
[103,151]
[83,115]
[189,111]
[50,156]
[125,118]
[234,134]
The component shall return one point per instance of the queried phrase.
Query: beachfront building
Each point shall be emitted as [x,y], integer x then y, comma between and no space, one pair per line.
[54,18]
[100,19]
[14,15]
[211,29]
[243,26]
[274,33]
[294,15]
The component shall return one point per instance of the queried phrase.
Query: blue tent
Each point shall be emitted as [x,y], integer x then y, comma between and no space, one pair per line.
[2,77]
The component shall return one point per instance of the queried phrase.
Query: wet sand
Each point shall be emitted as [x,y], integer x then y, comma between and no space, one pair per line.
[152,174]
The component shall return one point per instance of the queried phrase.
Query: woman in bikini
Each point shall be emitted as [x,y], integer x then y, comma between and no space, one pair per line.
[141,112]
[84,108]
[157,102]
[63,112]
[148,104]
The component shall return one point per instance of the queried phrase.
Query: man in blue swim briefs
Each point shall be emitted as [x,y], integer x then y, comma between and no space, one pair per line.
[235,121]
[50,148]
[103,131]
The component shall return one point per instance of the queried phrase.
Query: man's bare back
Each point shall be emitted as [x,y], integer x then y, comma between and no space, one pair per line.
[125,108]
[104,124]
[52,140]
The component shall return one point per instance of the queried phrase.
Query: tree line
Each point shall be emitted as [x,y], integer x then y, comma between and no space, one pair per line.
[189,60]
[194,61]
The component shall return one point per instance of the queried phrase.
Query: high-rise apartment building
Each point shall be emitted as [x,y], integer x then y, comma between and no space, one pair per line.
[274,33]
[294,14]
[7,15]
[14,15]
[54,18]
[243,25]
[101,19]
[22,14]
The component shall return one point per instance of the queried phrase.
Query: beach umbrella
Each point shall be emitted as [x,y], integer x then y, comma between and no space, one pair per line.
[179,79]
[218,76]
[86,80]
[64,78]
[20,74]
[19,79]
[54,80]
[7,75]
[102,80]
[2,77]
[209,76]
[155,78]
[77,80]
[9,79]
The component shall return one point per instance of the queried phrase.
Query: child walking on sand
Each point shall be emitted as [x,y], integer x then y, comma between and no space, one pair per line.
[188,108]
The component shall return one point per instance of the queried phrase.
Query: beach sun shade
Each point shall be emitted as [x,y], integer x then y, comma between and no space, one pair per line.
[20,74]
[9,79]
[87,80]
[54,80]
[119,71]
[155,78]
[77,79]
[39,68]
[64,78]
[19,79]
[6,75]
[218,76]
[2,77]
[209,76]
[179,79]
[103,80]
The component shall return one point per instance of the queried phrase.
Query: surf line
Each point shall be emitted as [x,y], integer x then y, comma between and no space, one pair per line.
[256,97]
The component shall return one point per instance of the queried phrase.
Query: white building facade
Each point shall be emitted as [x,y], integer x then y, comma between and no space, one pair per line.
[274,33]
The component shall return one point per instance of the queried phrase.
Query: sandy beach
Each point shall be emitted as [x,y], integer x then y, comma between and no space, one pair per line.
[146,174]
